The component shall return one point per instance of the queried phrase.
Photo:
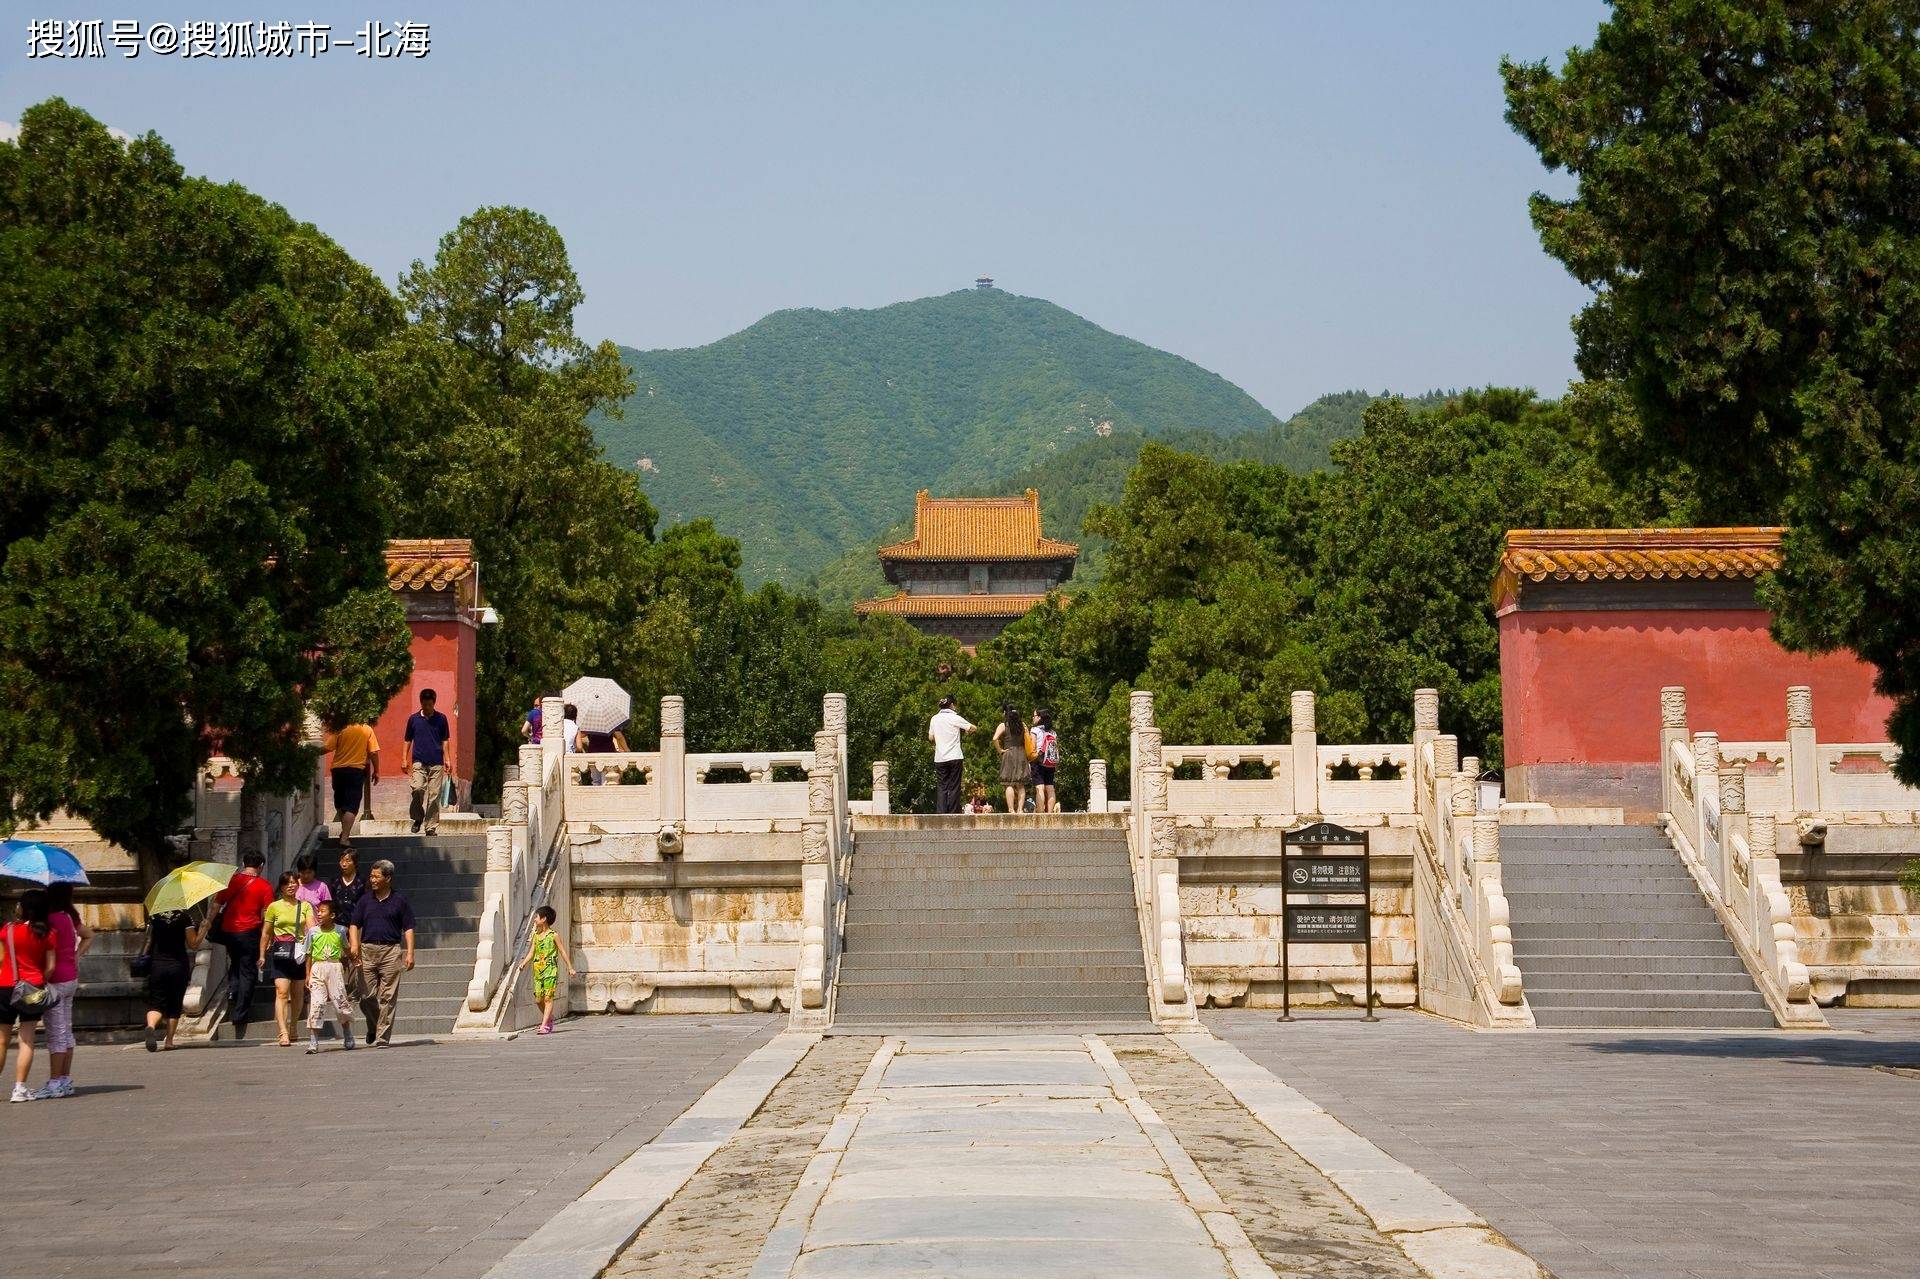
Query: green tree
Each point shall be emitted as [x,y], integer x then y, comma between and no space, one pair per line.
[191,528]
[498,450]
[1747,212]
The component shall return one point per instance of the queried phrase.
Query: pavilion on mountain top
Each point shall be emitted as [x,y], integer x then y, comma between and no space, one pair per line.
[972,566]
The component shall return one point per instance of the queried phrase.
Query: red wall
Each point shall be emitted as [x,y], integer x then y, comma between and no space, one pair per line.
[1584,687]
[443,660]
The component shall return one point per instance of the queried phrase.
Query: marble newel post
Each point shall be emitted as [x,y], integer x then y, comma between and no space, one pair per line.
[882,801]
[1096,786]
[1306,756]
[1803,756]
[673,759]
[1733,821]
[833,719]
[1706,782]
[1673,728]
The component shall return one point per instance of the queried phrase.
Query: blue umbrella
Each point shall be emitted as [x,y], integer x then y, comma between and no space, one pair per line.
[40,863]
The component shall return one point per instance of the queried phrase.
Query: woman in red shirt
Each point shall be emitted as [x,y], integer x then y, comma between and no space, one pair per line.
[27,954]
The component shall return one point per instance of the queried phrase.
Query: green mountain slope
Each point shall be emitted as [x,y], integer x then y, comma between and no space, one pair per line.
[807,434]
[1094,471]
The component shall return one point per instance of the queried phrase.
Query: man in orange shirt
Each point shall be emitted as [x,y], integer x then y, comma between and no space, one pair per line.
[356,766]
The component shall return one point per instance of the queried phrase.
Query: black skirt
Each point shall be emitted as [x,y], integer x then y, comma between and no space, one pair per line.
[167,985]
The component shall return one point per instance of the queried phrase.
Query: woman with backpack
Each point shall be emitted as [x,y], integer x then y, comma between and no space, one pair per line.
[1016,751]
[28,953]
[1046,759]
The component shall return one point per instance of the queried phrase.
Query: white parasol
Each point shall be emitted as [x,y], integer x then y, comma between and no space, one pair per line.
[603,705]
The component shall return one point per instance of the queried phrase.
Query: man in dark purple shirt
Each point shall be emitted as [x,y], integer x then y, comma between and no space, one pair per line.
[380,943]
[425,758]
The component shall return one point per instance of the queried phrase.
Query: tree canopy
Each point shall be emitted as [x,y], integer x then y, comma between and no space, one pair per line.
[191,531]
[1746,216]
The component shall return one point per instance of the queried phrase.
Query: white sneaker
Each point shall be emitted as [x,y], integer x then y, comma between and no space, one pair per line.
[61,1088]
[22,1093]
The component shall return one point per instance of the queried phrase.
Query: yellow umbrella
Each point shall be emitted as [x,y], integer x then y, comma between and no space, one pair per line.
[188,886]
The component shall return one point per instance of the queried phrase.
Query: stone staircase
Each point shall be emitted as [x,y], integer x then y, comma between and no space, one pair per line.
[999,922]
[442,875]
[1610,930]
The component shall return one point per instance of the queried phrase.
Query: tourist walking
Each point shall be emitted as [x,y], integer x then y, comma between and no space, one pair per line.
[171,941]
[545,952]
[241,909]
[1046,759]
[426,758]
[355,769]
[27,955]
[530,726]
[327,979]
[570,730]
[283,951]
[72,939]
[346,889]
[380,944]
[944,730]
[1016,754]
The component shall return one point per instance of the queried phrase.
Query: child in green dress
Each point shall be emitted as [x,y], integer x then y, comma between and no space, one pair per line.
[545,952]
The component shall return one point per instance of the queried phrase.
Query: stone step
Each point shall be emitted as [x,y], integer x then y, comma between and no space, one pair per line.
[874,973]
[914,1004]
[999,872]
[1605,977]
[970,1024]
[1629,962]
[1708,930]
[1533,948]
[1017,900]
[1589,1018]
[1589,997]
[1016,955]
[1651,921]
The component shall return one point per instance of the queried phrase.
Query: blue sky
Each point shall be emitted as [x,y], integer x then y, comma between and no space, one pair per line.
[1303,197]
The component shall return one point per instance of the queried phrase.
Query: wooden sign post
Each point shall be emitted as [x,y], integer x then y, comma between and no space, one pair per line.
[1333,861]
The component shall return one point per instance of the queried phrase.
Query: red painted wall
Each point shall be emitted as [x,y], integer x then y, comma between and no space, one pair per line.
[443,660]
[1584,687]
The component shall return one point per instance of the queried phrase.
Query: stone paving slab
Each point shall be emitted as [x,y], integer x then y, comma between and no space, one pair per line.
[1637,1154]
[426,1159]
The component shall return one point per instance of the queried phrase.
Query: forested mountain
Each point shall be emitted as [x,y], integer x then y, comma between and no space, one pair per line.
[1094,472]
[806,435]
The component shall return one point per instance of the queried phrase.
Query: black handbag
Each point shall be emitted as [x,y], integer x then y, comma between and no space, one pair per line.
[142,964]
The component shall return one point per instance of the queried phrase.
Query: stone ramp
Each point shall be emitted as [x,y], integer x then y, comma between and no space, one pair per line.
[1609,930]
[1019,923]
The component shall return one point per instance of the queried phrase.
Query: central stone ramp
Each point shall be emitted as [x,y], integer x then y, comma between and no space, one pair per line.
[999,921]
[1610,930]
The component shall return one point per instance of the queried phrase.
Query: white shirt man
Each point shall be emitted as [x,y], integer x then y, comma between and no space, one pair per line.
[944,730]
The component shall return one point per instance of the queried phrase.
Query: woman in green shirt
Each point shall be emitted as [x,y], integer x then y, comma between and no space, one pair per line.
[283,949]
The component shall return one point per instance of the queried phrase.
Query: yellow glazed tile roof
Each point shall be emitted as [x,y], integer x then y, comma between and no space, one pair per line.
[977,528]
[1640,553]
[951,605]
[428,563]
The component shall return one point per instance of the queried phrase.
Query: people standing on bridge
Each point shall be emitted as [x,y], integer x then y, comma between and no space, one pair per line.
[240,910]
[380,945]
[425,758]
[1046,759]
[944,730]
[355,768]
[1016,754]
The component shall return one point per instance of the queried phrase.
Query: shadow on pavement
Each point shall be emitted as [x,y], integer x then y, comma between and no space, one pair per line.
[1782,1048]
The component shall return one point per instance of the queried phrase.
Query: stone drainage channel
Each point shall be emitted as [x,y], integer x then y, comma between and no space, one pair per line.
[1056,1155]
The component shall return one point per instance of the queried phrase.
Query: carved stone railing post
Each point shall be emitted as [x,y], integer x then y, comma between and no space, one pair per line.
[1096,786]
[1306,756]
[1733,823]
[881,799]
[1673,728]
[1803,755]
[225,845]
[1426,717]
[1706,791]
[673,760]
[817,858]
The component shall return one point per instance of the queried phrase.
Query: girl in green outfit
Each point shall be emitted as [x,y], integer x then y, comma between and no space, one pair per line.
[545,952]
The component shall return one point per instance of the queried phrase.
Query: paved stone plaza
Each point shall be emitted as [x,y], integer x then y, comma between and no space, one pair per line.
[1634,1153]
[706,1147]
[427,1159]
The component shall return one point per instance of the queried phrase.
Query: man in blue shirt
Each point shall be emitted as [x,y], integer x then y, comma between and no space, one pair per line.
[425,756]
